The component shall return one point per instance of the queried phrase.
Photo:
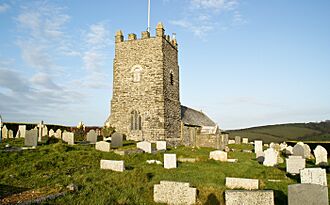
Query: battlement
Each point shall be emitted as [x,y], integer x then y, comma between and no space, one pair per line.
[160,33]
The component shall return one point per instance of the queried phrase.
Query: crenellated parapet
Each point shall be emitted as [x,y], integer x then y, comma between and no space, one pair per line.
[160,33]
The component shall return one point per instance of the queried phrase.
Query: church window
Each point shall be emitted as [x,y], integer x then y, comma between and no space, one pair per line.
[136,122]
[137,70]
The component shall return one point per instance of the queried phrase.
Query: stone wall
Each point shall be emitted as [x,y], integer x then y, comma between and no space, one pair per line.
[155,96]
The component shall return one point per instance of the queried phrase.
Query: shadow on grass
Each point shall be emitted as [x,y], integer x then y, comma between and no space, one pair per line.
[212,200]
[294,177]
[280,197]
[7,190]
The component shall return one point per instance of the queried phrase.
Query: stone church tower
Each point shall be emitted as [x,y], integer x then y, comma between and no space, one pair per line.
[145,103]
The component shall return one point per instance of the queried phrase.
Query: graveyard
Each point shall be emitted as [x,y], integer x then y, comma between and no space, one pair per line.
[71,172]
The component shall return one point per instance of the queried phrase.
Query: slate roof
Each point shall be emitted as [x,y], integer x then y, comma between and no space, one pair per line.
[193,117]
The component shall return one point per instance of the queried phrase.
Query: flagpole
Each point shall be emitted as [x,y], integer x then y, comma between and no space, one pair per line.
[148,29]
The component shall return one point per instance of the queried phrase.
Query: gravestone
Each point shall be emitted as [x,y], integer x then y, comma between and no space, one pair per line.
[170,161]
[4,132]
[231,141]
[22,131]
[40,130]
[260,156]
[116,140]
[114,165]
[91,136]
[309,194]
[313,176]
[145,146]
[10,134]
[18,134]
[218,155]
[247,197]
[224,139]
[51,133]
[257,146]
[289,150]
[169,192]
[245,140]
[31,138]
[283,145]
[321,156]
[58,134]
[70,138]
[271,156]
[161,145]
[298,150]
[242,183]
[103,146]
[45,131]
[237,140]
[307,151]
[294,164]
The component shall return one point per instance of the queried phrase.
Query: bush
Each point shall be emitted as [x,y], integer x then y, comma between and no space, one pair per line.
[108,131]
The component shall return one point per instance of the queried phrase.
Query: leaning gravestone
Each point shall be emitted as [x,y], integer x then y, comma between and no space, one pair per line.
[169,192]
[161,145]
[313,176]
[4,132]
[22,131]
[271,156]
[255,197]
[116,140]
[51,133]
[237,140]
[145,146]
[298,150]
[309,194]
[321,156]
[257,146]
[169,161]
[114,165]
[31,138]
[242,183]
[294,164]
[218,155]
[103,146]
[92,136]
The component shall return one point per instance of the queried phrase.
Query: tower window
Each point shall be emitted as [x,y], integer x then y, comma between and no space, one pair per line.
[171,78]
[137,70]
[136,123]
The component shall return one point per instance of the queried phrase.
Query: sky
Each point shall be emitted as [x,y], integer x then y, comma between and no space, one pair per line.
[242,62]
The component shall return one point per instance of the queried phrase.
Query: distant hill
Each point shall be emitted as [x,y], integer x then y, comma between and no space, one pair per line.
[313,131]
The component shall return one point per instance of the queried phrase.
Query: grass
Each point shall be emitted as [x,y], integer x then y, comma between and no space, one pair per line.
[57,165]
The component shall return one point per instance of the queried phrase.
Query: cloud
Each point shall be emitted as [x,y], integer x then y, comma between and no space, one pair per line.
[199,31]
[4,8]
[98,35]
[44,80]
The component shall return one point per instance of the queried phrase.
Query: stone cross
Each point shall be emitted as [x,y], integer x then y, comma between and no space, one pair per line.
[40,126]
[0,129]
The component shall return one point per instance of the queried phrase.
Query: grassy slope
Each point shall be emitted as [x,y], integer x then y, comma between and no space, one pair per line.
[280,133]
[58,165]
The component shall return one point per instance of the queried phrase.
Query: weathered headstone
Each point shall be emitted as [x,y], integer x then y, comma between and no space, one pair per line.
[45,131]
[298,150]
[145,146]
[91,136]
[257,146]
[161,145]
[242,183]
[309,194]
[51,133]
[247,197]
[307,151]
[114,165]
[237,140]
[58,134]
[231,141]
[321,156]
[313,176]
[169,192]
[22,131]
[31,138]
[245,140]
[10,134]
[70,138]
[4,132]
[170,161]
[40,128]
[218,155]
[103,146]
[294,164]
[271,156]
[116,140]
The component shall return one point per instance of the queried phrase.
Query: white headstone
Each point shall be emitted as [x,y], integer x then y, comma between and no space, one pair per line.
[257,146]
[103,146]
[245,140]
[170,161]
[313,176]
[283,145]
[91,136]
[321,155]
[45,131]
[289,150]
[231,141]
[51,133]
[161,145]
[10,134]
[218,155]
[22,131]
[114,165]
[58,134]
[270,157]
[294,164]
[145,146]
[4,132]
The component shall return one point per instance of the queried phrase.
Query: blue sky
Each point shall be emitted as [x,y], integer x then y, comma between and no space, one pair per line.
[243,62]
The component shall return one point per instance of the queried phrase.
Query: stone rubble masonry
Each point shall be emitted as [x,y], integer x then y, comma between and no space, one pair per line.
[294,164]
[247,197]
[114,165]
[169,192]
[257,146]
[145,146]
[313,176]
[242,183]
[218,155]
[161,145]
[155,96]
[103,146]
[309,194]
[170,161]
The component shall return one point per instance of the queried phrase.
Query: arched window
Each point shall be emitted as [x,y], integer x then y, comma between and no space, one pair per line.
[171,78]
[136,123]
[137,71]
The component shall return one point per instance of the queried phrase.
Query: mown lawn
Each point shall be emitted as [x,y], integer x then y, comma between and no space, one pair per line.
[57,165]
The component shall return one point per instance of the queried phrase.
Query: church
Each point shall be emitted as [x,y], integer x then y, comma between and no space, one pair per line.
[145,104]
